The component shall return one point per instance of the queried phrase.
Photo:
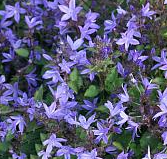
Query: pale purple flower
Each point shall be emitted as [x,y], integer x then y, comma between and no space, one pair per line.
[91,73]
[146,11]
[160,156]
[86,124]
[121,11]
[133,127]
[70,12]
[114,110]
[89,155]
[54,75]
[122,155]
[164,136]
[86,32]
[110,24]
[124,117]
[74,44]
[45,155]
[21,156]
[33,22]
[31,78]
[16,121]
[2,79]
[165,2]
[101,133]
[53,141]
[127,39]
[91,20]
[66,66]
[67,151]
[14,11]
[148,85]
[8,56]
[121,70]
[4,24]
[124,97]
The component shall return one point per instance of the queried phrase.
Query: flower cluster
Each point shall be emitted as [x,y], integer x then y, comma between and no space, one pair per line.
[77,83]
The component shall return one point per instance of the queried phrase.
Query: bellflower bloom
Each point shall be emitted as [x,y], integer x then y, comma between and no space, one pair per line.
[90,106]
[110,24]
[67,151]
[74,45]
[121,11]
[33,22]
[45,155]
[53,141]
[15,121]
[122,155]
[8,56]
[121,70]
[101,133]
[127,39]
[2,79]
[165,2]
[14,11]
[65,66]
[114,110]
[146,11]
[148,85]
[54,74]
[164,136]
[86,124]
[70,12]
[124,97]
[124,117]
[160,156]
[89,155]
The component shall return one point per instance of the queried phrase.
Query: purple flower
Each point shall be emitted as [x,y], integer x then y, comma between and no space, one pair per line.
[121,11]
[134,127]
[146,11]
[33,22]
[165,2]
[101,133]
[164,136]
[22,156]
[70,12]
[8,56]
[124,97]
[54,74]
[121,70]
[5,24]
[67,151]
[65,66]
[14,11]
[91,73]
[160,156]
[86,124]
[114,110]
[124,117]
[53,141]
[90,106]
[45,155]
[148,85]
[91,20]
[31,78]
[110,24]
[16,121]
[74,45]
[162,62]
[122,155]
[89,155]
[127,39]
[86,32]
[2,79]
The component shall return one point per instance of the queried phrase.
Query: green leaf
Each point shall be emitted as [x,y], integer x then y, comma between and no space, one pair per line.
[118,145]
[92,91]
[43,137]
[38,147]
[39,94]
[22,52]
[4,146]
[75,82]
[33,157]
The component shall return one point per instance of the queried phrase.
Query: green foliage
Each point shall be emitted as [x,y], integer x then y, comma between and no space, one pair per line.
[112,81]
[39,94]
[76,81]
[22,52]
[92,91]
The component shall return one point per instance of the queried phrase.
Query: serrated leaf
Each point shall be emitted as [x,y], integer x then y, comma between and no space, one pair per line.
[92,91]
[22,52]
